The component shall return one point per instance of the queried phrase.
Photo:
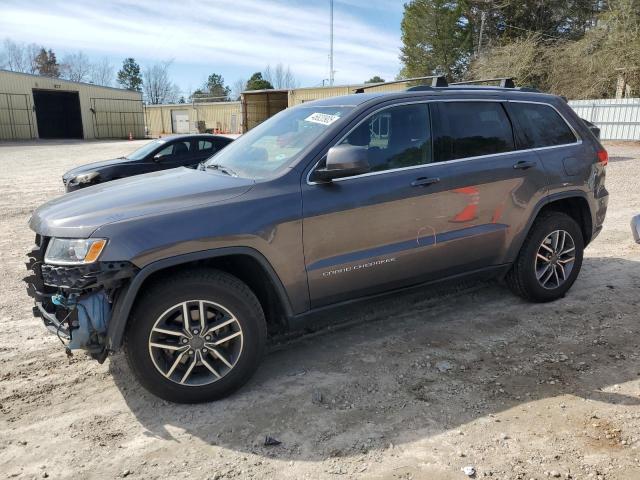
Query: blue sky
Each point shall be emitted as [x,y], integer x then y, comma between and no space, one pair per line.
[234,38]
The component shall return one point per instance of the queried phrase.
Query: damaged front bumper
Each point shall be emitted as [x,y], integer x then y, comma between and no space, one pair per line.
[74,301]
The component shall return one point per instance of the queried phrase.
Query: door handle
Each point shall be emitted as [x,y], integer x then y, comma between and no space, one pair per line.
[524,165]
[424,181]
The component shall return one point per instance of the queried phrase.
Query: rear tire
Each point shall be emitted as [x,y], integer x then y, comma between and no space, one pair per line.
[549,260]
[214,353]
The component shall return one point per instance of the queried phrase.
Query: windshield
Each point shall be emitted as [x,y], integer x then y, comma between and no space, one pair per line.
[142,152]
[275,143]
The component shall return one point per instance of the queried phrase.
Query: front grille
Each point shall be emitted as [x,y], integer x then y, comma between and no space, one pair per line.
[76,277]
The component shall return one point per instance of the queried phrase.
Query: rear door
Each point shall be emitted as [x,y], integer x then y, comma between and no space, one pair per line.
[488,188]
[206,147]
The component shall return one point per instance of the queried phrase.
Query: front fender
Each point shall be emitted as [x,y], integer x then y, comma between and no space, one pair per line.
[126,298]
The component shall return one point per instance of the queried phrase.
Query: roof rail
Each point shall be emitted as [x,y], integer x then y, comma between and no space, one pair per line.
[436,81]
[504,82]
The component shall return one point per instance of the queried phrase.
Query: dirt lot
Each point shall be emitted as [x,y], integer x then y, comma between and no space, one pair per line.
[420,387]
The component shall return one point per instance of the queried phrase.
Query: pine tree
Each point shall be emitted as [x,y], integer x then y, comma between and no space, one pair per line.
[216,88]
[256,82]
[436,37]
[129,75]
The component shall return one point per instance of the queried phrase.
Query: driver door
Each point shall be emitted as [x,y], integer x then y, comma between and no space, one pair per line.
[174,155]
[362,234]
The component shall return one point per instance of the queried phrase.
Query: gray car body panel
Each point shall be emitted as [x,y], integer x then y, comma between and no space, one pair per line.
[359,236]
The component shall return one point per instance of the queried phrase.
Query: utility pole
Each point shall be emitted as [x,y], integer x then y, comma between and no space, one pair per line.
[331,42]
[482,17]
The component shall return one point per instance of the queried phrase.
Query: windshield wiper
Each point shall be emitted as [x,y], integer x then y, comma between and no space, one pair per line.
[222,168]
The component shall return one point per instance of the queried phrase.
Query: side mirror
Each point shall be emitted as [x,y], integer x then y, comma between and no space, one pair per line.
[343,161]
[157,157]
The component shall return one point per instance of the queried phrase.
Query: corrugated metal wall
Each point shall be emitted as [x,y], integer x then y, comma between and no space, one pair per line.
[618,118]
[302,95]
[106,112]
[16,116]
[225,116]
[259,105]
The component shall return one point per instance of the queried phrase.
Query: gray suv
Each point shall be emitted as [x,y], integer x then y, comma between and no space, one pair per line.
[333,201]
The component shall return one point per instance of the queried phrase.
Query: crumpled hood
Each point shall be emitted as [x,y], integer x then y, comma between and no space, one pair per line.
[92,167]
[80,213]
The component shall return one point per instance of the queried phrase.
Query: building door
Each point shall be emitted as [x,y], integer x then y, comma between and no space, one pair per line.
[58,114]
[180,121]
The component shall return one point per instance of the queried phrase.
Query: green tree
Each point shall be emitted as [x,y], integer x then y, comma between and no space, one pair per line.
[566,19]
[436,37]
[603,60]
[375,79]
[129,75]
[256,82]
[215,87]
[47,64]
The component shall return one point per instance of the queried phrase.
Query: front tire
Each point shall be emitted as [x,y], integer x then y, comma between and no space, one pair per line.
[549,260]
[196,336]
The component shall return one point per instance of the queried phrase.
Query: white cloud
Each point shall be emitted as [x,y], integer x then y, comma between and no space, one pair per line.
[242,33]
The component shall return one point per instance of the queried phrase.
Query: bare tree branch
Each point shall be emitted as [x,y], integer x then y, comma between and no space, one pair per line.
[76,67]
[102,73]
[280,77]
[158,88]
[239,86]
[19,57]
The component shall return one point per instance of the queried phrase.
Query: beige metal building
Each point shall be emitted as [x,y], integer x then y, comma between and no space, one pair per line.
[258,105]
[32,106]
[302,95]
[225,117]
[254,107]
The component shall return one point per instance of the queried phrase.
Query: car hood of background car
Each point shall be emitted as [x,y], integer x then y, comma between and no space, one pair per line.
[80,213]
[95,166]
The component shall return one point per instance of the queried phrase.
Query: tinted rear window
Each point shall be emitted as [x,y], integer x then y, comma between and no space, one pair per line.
[470,129]
[540,126]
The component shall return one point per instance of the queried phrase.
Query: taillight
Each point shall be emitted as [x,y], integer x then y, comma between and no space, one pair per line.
[603,157]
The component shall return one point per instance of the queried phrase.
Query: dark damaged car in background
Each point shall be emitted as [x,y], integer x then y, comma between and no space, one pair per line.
[326,203]
[161,154]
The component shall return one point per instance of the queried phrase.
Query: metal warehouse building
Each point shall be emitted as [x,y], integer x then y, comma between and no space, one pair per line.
[225,117]
[32,106]
[302,95]
[255,107]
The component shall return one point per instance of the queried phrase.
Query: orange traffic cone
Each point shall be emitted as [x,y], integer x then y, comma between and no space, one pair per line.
[130,136]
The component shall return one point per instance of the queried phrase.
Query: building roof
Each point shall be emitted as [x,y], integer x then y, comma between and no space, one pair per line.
[95,85]
[190,104]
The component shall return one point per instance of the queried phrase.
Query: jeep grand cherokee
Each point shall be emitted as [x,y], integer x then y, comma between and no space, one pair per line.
[325,203]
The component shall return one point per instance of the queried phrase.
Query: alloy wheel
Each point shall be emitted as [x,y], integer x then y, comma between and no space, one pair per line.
[195,343]
[555,259]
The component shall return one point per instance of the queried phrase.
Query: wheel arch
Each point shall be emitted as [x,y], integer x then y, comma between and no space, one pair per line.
[246,263]
[574,203]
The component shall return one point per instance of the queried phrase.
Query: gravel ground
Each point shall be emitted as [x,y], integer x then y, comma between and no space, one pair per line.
[419,386]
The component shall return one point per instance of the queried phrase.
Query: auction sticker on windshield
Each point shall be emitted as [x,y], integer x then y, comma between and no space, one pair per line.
[322,118]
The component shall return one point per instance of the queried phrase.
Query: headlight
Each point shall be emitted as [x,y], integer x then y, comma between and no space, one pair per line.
[74,251]
[85,177]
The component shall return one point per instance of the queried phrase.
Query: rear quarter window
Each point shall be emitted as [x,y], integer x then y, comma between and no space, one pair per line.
[540,126]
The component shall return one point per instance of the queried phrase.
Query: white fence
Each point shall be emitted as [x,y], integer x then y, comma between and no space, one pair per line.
[618,118]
